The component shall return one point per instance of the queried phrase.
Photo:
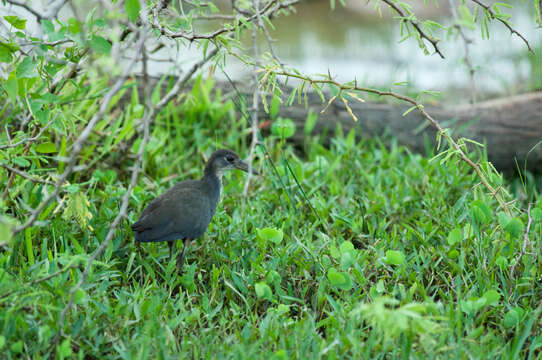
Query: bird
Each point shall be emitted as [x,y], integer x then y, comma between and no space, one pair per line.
[184,211]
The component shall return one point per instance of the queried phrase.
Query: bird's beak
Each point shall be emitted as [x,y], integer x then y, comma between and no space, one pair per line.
[241,165]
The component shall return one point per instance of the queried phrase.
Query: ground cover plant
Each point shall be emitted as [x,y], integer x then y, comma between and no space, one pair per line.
[353,249]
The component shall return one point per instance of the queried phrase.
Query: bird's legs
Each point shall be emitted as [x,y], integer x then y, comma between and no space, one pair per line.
[170,244]
[180,258]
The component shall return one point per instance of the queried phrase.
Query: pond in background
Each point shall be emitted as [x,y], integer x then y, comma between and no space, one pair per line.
[361,45]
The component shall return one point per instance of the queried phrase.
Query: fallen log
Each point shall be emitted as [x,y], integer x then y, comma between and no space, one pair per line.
[510,127]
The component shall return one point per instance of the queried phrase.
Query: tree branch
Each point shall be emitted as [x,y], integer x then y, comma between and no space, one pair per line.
[25,175]
[493,16]
[416,24]
[418,106]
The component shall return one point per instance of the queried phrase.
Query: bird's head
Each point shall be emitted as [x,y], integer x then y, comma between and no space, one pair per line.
[224,160]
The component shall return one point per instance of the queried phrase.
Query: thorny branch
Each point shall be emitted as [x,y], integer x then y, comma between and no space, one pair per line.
[415,104]
[494,16]
[416,24]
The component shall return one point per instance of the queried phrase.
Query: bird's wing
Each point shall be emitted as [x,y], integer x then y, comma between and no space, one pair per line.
[181,212]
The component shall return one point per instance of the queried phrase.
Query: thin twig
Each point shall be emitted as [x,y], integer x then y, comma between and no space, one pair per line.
[52,9]
[261,25]
[191,36]
[25,175]
[23,5]
[255,99]
[416,24]
[466,42]
[492,14]
[525,242]
[29,139]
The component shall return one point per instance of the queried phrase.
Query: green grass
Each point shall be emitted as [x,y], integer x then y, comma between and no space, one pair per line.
[384,254]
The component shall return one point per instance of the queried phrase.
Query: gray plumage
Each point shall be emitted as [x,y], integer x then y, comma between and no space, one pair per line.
[185,210]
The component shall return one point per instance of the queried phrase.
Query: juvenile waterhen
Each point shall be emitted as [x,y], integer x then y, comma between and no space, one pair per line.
[184,211]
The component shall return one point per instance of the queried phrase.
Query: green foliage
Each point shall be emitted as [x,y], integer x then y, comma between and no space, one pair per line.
[398,253]
[356,250]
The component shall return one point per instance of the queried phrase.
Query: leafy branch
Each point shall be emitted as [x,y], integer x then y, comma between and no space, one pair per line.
[456,146]
[411,19]
[499,17]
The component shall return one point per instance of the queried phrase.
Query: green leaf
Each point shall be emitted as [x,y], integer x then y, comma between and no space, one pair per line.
[133,7]
[100,45]
[6,51]
[79,296]
[283,128]
[2,341]
[502,262]
[48,27]
[17,347]
[21,162]
[394,257]
[65,349]
[504,218]
[74,25]
[514,227]
[346,260]
[274,108]
[480,212]
[16,21]
[454,236]
[263,291]
[12,87]
[453,254]
[492,297]
[346,246]
[511,318]
[270,234]
[138,111]
[536,214]
[27,68]
[339,279]
[46,148]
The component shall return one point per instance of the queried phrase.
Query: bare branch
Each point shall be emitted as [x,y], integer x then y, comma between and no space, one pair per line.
[416,24]
[493,16]
[525,242]
[255,98]
[52,11]
[466,42]
[23,5]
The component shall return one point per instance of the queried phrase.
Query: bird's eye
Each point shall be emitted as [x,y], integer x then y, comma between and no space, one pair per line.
[230,158]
